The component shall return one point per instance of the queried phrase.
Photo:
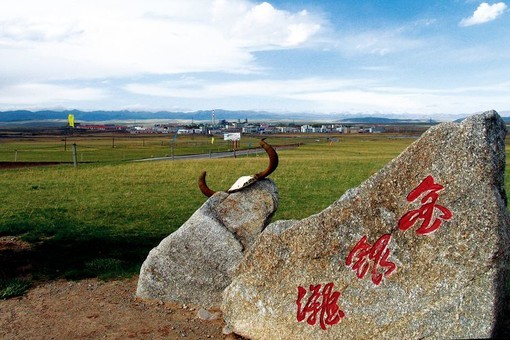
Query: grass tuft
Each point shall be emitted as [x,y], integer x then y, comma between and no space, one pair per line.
[13,287]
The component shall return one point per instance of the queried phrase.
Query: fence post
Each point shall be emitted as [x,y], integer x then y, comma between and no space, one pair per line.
[75,162]
[172,152]
[15,155]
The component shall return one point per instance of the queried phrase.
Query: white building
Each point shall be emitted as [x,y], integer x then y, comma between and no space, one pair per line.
[306,129]
[189,131]
[250,129]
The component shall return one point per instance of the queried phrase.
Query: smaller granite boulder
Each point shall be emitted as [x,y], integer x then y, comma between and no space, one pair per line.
[193,265]
[245,215]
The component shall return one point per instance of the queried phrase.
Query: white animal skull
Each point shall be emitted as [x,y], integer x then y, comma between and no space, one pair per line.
[245,181]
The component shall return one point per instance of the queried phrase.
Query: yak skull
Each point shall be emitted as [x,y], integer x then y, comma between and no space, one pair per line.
[245,181]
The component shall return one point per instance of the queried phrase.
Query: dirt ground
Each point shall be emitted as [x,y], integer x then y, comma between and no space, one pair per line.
[91,309]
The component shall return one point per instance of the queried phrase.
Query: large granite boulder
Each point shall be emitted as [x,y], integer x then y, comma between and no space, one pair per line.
[193,265]
[420,249]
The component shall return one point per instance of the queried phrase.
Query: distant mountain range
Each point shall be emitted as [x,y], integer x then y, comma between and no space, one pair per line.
[381,120]
[123,116]
[53,117]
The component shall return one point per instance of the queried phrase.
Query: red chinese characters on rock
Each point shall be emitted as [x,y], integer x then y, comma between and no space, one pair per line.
[426,211]
[321,306]
[364,255]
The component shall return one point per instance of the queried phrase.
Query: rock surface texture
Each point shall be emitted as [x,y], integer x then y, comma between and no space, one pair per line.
[420,249]
[193,265]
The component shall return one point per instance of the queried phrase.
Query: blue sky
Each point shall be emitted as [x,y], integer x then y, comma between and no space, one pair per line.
[411,58]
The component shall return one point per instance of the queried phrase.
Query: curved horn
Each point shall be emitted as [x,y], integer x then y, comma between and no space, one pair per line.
[273,160]
[203,185]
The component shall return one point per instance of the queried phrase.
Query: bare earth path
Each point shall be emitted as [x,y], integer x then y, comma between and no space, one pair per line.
[91,309]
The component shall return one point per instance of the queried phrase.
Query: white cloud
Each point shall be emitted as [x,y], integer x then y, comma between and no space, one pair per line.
[193,88]
[484,13]
[264,27]
[47,94]
[336,95]
[58,39]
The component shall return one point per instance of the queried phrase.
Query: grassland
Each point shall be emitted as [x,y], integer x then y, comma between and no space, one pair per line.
[101,219]
[115,147]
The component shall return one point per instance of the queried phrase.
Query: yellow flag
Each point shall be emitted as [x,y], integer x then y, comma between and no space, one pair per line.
[212,140]
[70,119]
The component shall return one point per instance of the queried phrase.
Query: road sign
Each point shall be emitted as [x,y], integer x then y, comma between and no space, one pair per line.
[232,136]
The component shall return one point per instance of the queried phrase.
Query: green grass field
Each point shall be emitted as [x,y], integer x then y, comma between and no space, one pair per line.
[116,147]
[101,219]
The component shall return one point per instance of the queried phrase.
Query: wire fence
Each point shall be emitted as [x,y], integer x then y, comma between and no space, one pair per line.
[118,148]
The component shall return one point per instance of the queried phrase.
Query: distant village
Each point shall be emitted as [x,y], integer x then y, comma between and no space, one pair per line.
[224,126]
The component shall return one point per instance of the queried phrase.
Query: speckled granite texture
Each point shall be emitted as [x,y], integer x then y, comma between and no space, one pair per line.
[193,265]
[431,230]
